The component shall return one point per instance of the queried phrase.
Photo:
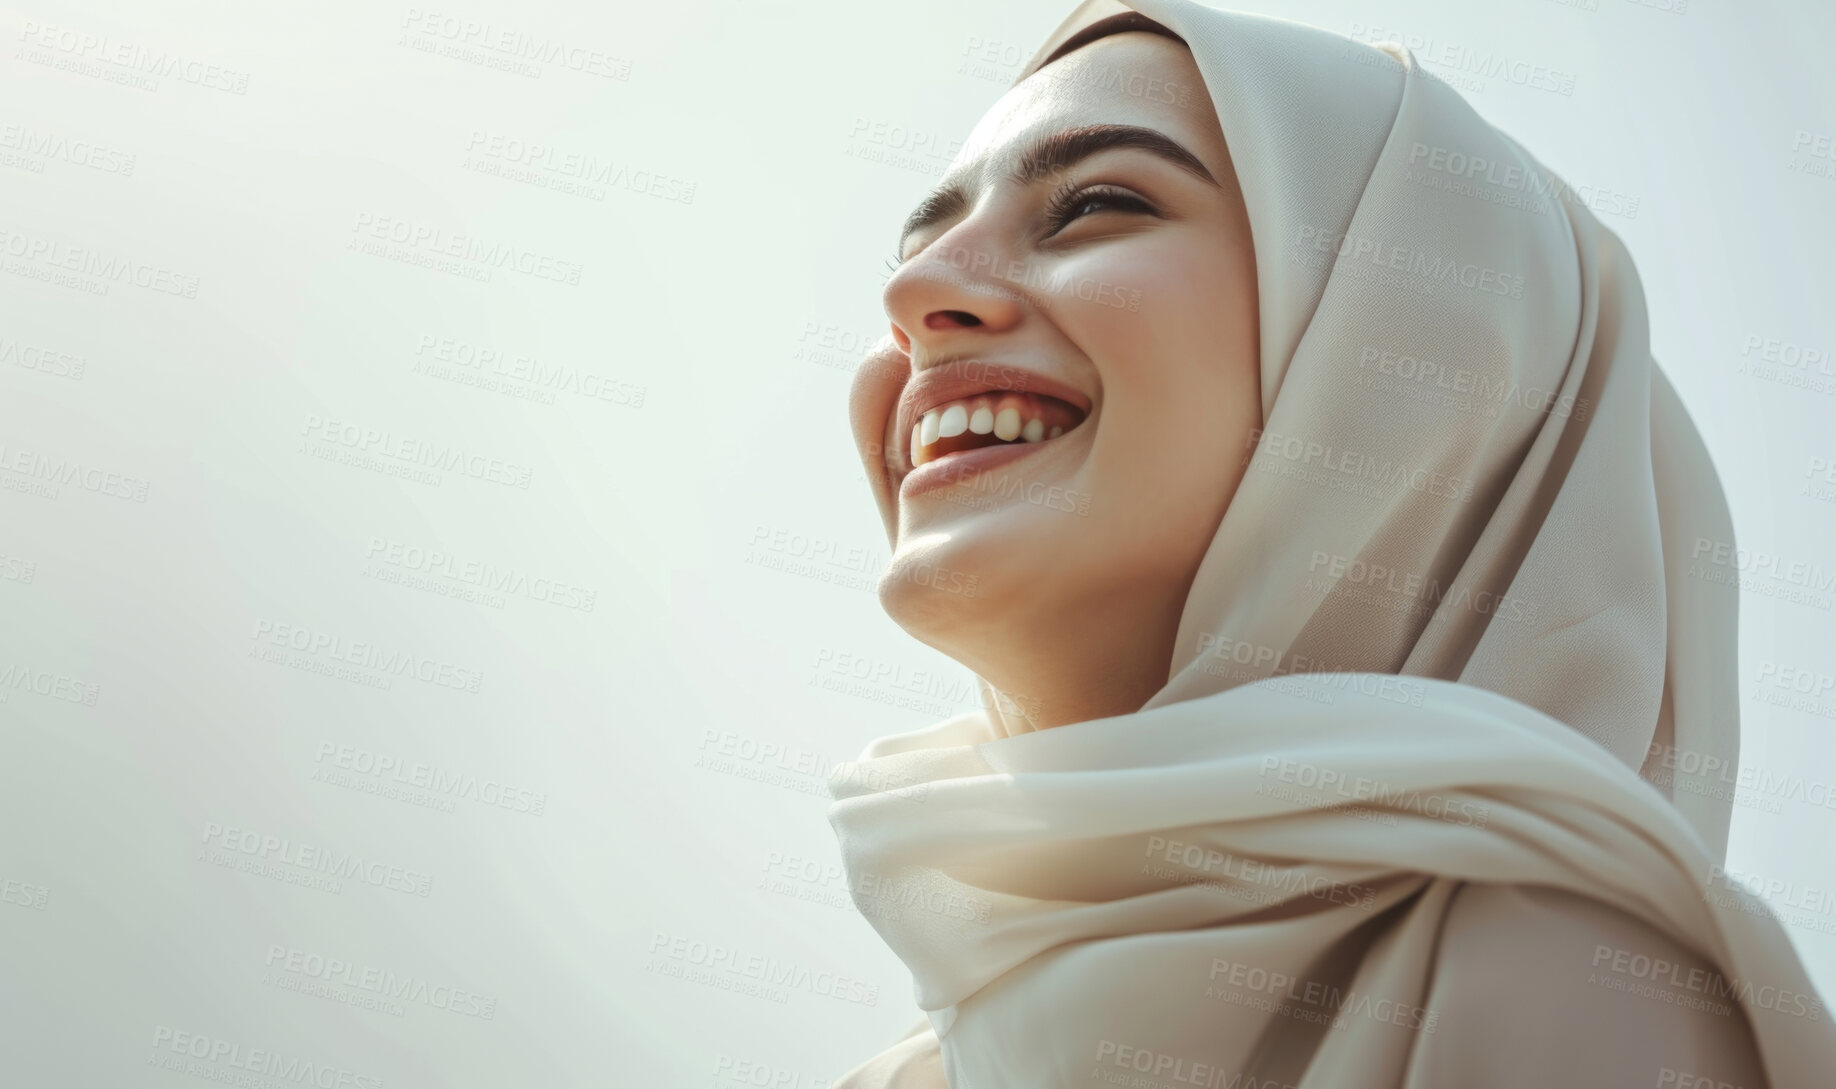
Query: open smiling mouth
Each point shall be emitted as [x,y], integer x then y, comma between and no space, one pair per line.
[956,439]
[992,419]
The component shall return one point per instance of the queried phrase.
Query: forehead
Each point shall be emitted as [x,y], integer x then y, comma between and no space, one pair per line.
[1134,78]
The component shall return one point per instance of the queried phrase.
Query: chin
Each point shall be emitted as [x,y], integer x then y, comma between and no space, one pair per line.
[971,572]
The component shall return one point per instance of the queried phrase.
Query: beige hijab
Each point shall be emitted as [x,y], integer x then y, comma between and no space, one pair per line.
[1387,813]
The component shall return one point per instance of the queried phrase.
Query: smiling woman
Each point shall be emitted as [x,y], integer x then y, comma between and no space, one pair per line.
[1075,306]
[1327,515]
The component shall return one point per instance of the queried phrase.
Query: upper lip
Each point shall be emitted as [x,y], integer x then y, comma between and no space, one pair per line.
[966,377]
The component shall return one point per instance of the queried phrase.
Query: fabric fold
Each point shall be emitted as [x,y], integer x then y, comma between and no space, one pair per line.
[1445,742]
[1136,881]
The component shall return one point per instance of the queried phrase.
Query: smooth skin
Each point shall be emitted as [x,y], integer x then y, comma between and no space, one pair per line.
[1148,309]
[1074,616]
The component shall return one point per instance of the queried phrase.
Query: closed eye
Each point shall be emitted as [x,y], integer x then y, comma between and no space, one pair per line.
[1071,204]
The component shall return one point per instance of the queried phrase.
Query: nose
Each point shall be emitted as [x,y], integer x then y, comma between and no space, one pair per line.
[949,292]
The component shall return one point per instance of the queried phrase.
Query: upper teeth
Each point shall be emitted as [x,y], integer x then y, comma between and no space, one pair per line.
[1007,416]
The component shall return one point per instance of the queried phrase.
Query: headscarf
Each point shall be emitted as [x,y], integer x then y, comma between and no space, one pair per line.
[1456,671]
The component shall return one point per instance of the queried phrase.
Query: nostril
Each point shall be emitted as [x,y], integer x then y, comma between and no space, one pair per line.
[942,318]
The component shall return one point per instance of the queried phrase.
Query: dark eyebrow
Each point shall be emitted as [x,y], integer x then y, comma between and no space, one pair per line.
[1050,155]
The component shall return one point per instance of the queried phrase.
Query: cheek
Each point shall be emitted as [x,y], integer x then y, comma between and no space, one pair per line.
[1179,392]
[1163,487]
[1169,312]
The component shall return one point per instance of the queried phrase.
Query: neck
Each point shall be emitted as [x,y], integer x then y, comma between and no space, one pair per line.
[1086,673]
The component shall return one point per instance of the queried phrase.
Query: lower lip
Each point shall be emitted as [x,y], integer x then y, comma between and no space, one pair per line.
[964,466]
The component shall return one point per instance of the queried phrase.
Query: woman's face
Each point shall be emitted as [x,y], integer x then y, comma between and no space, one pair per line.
[1076,381]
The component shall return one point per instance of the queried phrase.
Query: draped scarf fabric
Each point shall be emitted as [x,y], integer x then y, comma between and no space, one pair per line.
[1457,669]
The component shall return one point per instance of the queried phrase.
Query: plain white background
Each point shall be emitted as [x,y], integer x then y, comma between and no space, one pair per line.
[257,424]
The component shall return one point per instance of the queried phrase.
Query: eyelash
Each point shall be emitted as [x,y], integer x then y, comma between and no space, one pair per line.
[1068,199]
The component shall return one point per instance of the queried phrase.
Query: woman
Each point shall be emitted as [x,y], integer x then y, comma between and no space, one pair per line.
[1329,523]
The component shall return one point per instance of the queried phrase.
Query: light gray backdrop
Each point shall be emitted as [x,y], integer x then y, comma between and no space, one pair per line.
[436,574]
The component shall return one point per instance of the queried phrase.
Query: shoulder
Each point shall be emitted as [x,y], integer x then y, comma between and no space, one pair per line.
[1527,977]
[967,728]
[915,1062]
